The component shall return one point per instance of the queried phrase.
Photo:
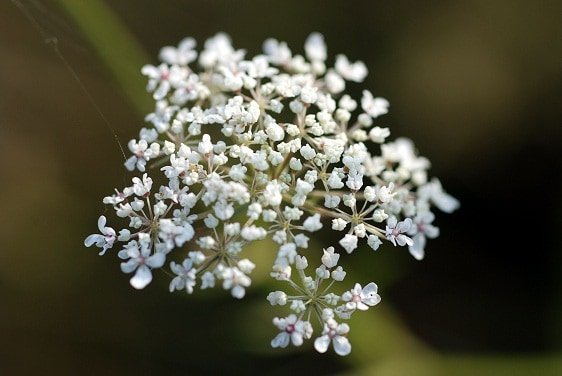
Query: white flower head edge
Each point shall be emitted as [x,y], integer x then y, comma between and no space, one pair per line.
[244,148]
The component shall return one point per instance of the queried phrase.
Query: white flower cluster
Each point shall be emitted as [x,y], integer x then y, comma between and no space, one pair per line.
[268,146]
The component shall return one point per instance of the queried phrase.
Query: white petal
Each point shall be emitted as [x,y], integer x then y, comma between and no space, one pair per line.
[343,329]
[176,269]
[314,47]
[362,306]
[281,340]
[296,338]
[431,231]
[142,277]
[446,202]
[150,71]
[176,284]
[129,266]
[321,344]
[369,295]
[341,345]
[161,91]
[168,54]
[156,260]
[371,288]
[101,223]
[417,248]
[238,292]
[372,300]
[91,239]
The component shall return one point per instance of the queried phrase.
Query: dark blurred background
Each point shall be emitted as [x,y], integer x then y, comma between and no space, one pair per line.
[476,84]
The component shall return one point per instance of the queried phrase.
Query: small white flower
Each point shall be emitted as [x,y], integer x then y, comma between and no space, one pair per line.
[307,152]
[159,80]
[338,224]
[254,211]
[335,333]
[312,223]
[354,180]
[159,208]
[104,240]
[277,52]
[174,235]
[207,280]
[330,258]
[142,153]
[141,262]
[124,235]
[301,240]
[374,242]
[295,164]
[378,134]
[232,229]
[288,252]
[335,180]
[361,298]
[349,200]
[205,146]
[315,47]
[334,82]
[351,72]
[238,172]
[246,266]
[235,281]
[347,103]
[206,242]
[185,276]
[281,272]
[338,274]
[369,193]
[182,55]
[293,331]
[395,231]
[322,272]
[142,187]
[273,130]
[253,233]
[331,201]
[269,215]
[433,191]
[349,242]
[384,193]
[309,94]
[375,107]
[422,229]
[360,230]
[298,305]
[211,221]
[301,262]
[277,298]
[379,215]
[293,214]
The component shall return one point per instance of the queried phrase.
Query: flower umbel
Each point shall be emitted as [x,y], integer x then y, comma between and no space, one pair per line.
[270,146]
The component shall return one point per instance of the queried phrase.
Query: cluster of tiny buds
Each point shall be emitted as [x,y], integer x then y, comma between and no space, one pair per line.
[245,149]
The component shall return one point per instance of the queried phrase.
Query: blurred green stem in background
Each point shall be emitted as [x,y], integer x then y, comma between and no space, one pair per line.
[386,346]
[116,46]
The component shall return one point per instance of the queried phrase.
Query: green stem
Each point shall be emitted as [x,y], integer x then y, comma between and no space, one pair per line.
[117,48]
